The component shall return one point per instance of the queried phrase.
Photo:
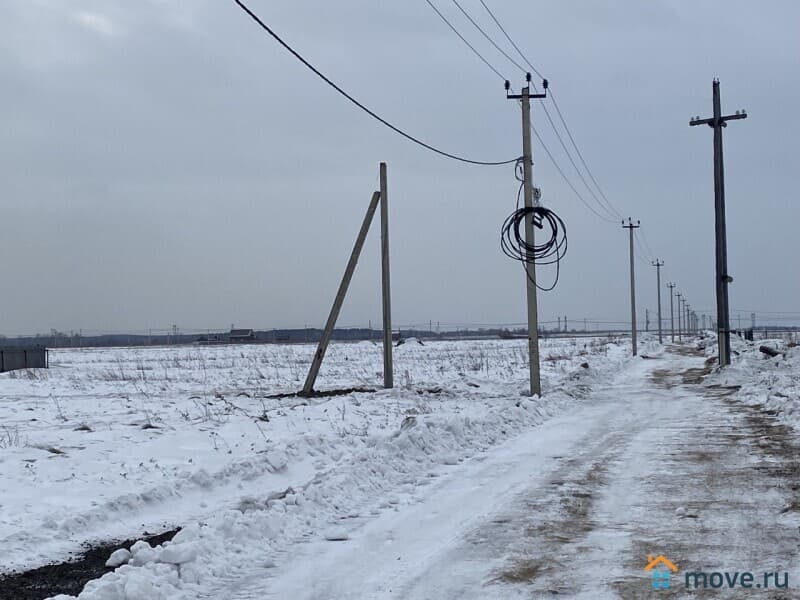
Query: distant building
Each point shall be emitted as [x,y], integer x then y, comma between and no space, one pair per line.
[241,336]
[34,357]
[213,338]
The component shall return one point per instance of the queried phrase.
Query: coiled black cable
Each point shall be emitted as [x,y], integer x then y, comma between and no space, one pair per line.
[551,251]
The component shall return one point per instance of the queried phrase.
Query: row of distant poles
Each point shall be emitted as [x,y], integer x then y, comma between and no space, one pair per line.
[721,277]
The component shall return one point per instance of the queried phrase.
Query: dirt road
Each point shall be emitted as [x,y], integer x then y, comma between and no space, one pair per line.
[655,464]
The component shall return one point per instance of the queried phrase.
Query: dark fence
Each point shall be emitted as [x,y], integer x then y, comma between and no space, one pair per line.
[23,358]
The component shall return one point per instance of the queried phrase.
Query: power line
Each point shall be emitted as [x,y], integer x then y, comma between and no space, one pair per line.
[536,133]
[609,206]
[643,249]
[642,256]
[547,113]
[508,37]
[572,161]
[488,37]
[463,39]
[647,245]
[566,179]
[371,113]
[515,63]
[580,156]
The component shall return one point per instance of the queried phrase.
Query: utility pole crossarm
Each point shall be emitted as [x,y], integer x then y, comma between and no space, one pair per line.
[710,121]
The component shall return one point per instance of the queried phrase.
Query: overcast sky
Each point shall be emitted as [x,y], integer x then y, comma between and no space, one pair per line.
[166,162]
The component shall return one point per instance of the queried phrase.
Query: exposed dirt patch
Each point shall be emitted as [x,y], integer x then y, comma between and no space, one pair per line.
[571,518]
[663,377]
[685,350]
[695,375]
[322,393]
[68,577]
[523,570]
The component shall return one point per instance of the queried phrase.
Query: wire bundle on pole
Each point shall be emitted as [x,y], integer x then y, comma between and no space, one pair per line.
[551,251]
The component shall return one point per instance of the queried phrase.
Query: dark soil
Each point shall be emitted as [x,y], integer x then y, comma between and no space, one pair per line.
[323,393]
[68,577]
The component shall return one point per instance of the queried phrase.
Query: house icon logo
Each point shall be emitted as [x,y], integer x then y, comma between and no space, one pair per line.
[659,568]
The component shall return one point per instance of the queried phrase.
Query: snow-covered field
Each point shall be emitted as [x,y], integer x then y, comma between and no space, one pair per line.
[112,443]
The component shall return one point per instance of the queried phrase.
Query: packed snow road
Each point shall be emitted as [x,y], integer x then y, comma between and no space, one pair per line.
[653,464]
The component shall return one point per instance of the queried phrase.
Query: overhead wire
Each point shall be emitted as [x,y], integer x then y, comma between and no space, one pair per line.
[566,179]
[643,236]
[512,242]
[487,36]
[580,156]
[574,165]
[645,254]
[508,37]
[463,39]
[606,205]
[353,100]
[533,129]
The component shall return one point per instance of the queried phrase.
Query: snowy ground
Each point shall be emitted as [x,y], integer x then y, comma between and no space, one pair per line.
[771,383]
[113,443]
[453,485]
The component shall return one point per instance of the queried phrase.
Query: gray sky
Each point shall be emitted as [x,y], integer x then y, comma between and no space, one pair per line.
[166,162]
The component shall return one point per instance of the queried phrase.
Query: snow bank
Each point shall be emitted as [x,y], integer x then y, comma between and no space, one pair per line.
[773,383]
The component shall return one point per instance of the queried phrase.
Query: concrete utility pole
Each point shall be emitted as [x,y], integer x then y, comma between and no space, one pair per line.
[671,287]
[658,264]
[630,227]
[688,318]
[647,319]
[684,322]
[388,375]
[680,332]
[530,267]
[717,122]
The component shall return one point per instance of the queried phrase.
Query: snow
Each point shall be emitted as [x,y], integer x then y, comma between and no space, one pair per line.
[118,558]
[772,383]
[113,443]
[337,534]
[443,487]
